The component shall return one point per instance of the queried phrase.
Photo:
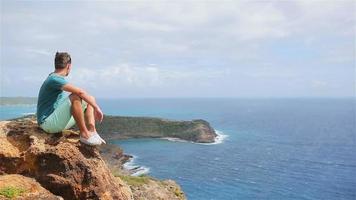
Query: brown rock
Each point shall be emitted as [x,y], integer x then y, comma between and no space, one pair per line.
[150,188]
[114,158]
[59,162]
[30,189]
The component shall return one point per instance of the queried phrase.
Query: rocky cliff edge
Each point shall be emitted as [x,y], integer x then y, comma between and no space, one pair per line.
[37,165]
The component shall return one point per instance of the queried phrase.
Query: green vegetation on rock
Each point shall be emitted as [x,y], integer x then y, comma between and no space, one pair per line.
[120,127]
[135,180]
[146,187]
[11,192]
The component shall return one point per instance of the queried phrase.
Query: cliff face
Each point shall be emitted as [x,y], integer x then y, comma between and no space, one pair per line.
[121,127]
[148,188]
[58,162]
[56,166]
[15,185]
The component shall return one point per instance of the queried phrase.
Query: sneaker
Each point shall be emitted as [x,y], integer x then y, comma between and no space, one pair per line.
[98,136]
[93,140]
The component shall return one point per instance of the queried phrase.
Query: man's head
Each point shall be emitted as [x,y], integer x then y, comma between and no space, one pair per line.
[63,61]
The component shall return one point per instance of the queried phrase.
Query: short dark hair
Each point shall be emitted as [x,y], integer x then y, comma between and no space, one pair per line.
[61,60]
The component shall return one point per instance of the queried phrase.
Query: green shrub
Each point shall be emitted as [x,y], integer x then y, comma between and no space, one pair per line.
[135,180]
[11,192]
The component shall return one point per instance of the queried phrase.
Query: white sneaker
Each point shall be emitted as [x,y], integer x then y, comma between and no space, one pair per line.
[98,136]
[93,140]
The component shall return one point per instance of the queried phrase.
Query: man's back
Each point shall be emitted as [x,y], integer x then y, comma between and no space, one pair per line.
[57,112]
[50,96]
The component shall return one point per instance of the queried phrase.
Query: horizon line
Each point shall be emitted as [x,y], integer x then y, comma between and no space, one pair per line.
[208,97]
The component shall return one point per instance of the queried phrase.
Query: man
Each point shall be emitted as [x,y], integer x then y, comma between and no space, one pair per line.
[56,112]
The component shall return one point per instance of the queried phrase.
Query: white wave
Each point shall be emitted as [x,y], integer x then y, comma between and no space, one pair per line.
[173,139]
[141,171]
[221,137]
[29,113]
[131,163]
[218,139]
[136,169]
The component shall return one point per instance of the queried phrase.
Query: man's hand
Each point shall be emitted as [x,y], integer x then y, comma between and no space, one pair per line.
[98,114]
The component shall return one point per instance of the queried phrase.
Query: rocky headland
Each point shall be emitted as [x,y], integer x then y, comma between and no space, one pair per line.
[37,165]
[123,127]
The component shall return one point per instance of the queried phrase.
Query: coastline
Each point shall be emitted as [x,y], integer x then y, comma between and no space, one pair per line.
[127,161]
[217,140]
[76,170]
[133,169]
[220,138]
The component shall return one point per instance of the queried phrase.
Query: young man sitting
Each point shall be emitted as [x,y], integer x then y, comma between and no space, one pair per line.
[56,112]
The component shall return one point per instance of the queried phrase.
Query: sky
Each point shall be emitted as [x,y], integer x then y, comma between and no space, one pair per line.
[182,48]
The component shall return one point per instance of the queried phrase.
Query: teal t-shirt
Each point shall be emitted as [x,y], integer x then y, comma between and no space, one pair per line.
[50,96]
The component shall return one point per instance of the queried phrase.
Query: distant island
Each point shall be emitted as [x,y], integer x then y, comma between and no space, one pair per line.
[123,127]
[18,101]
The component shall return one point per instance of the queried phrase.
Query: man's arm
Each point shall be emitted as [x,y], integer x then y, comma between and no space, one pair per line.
[86,97]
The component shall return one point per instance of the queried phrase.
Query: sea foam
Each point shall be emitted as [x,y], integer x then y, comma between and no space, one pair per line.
[28,113]
[136,169]
[218,139]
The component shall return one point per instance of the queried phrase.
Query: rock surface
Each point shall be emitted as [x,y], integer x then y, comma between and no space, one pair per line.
[156,189]
[29,187]
[59,162]
[58,166]
[115,158]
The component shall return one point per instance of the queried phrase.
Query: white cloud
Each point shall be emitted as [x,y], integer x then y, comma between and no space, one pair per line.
[39,52]
[143,76]
[319,84]
[272,72]
[178,44]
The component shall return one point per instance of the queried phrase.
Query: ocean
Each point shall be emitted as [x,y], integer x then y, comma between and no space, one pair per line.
[278,148]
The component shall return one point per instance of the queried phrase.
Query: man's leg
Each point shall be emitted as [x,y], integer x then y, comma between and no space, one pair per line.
[78,115]
[89,117]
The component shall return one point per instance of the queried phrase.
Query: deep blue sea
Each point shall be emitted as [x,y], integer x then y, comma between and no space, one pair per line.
[291,148]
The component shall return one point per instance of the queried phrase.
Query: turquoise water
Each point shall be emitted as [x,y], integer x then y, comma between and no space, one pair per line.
[275,149]
[10,112]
